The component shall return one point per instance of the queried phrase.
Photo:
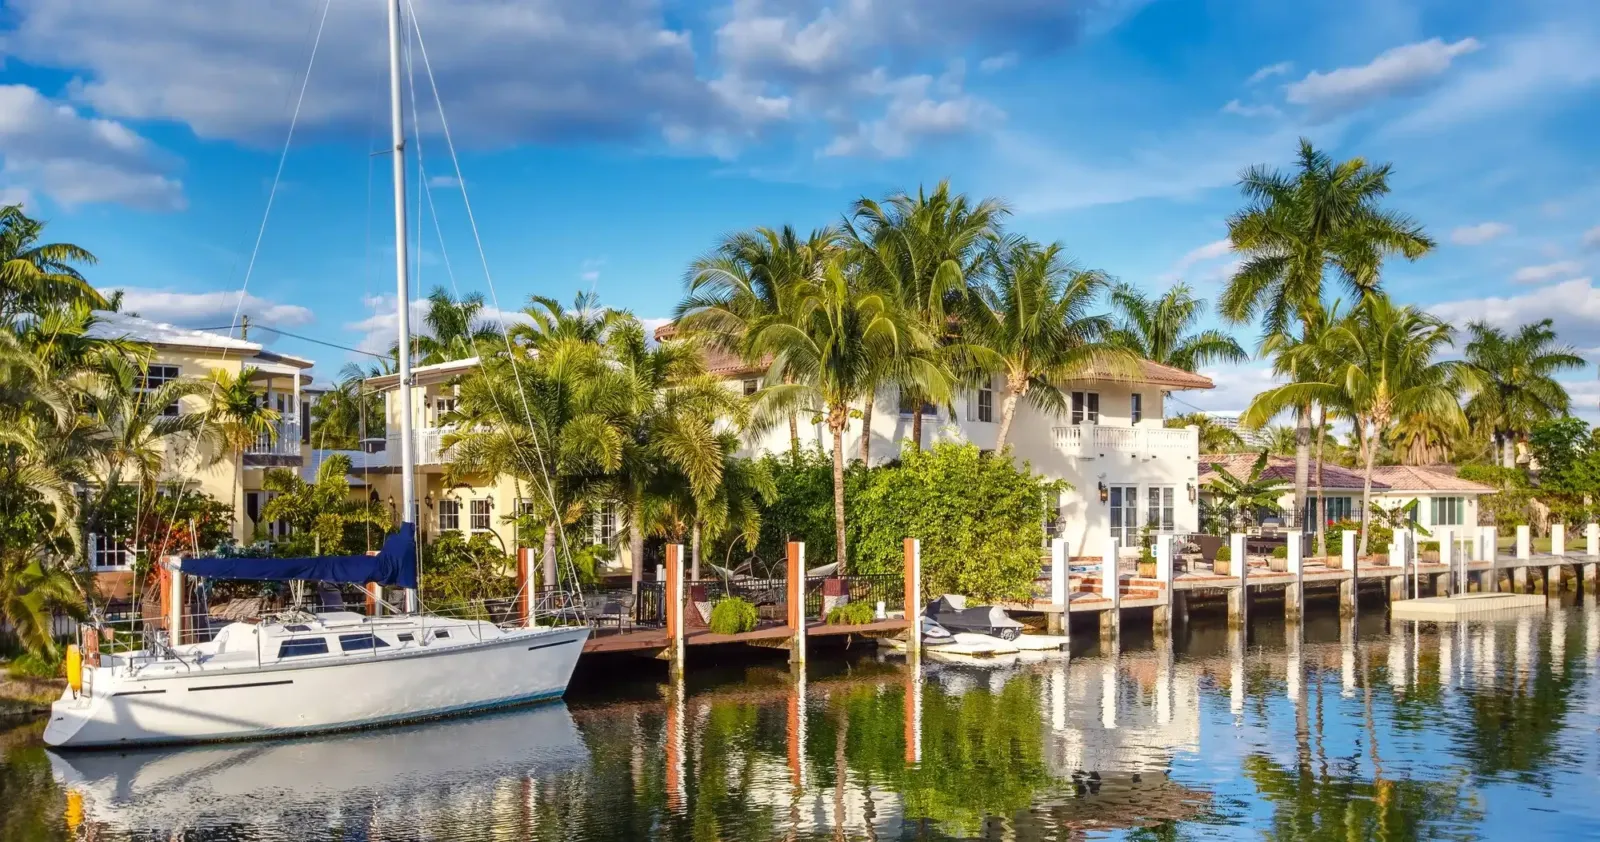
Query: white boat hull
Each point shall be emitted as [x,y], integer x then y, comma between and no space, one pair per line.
[318,696]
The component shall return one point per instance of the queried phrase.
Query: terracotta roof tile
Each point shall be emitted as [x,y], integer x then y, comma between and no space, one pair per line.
[1282,468]
[1434,478]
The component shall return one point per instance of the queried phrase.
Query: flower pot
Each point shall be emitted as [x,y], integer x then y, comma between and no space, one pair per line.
[1147,570]
[1222,567]
[1278,565]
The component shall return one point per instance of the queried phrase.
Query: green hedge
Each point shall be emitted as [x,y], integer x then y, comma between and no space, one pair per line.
[852,614]
[733,616]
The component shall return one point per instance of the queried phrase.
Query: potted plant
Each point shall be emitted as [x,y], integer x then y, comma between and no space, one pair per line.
[1222,564]
[1147,554]
[1278,562]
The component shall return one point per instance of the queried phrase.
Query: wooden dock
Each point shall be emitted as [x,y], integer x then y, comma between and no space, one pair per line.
[653,642]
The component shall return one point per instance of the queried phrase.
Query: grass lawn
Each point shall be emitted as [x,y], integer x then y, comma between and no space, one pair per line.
[1507,544]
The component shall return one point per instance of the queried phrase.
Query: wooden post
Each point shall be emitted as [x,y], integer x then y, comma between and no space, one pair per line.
[1238,597]
[1059,574]
[674,609]
[1488,551]
[374,594]
[1447,558]
[1161,619]
[913,596]
[1294,594]
[796,731]
[1519,577]
[1347,585]
[913,715]
[1590,580]
[525,585]
[1110,588]
[173,596]
[1558,548]
[1397,558]
[797,602]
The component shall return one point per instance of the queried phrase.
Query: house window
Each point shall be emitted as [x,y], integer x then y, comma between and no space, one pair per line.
[524,506]
[986,403]
[1339,508]
[254,503]
[751,386]
[1085,407]
[1124,501]
[479,515]
[449,514]
[1449,511]
[442,407]
[157,376]
[1052,518]
[1136,408]
[1158,512]
[605,525]
[108,553]
[908,405]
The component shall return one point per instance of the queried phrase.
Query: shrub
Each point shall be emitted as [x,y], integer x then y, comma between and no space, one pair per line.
[38,665]
[852,614]
[1382,536]
[1224,553]
[980,519]
[733,616]
[1280,552]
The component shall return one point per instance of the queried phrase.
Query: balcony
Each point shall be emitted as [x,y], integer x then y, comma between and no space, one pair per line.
[283,448]
[1090,441]
[427,445]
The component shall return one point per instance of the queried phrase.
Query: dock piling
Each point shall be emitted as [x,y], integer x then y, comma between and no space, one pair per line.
[796,583]
[1161,619]
[1111,588]
[675,605]
[1488,551]
[1397,558]
[913,596]
[1059,562]
[1294,594]
[1347,585]
[1519,577]
[1238,598]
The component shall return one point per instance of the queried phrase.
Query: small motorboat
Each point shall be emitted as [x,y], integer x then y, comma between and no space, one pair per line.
[951,612]
[934,634]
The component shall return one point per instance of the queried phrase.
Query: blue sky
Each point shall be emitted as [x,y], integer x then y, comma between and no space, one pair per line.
[605,144]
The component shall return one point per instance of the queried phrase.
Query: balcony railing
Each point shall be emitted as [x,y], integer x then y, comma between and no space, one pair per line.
[285,443]
[1092,440]
[427,445]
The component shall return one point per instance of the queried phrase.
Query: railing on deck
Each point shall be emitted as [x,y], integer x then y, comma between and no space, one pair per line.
[286,442]
[1091,440]
[870,588]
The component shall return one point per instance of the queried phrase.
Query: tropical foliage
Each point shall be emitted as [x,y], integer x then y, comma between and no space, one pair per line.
[1237,499]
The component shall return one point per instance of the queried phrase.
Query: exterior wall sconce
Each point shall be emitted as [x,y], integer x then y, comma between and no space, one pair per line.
[1105,493]
[1192,492]
[429,500]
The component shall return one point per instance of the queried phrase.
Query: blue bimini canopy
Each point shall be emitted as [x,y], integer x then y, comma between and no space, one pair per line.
[395,564]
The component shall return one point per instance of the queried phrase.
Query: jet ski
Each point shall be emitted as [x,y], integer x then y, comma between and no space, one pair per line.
[934,634]
[951,612]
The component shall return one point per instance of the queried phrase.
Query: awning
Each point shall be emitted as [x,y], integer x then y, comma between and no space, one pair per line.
[395,564]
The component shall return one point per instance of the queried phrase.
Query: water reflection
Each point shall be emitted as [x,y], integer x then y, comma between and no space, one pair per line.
[1335,729]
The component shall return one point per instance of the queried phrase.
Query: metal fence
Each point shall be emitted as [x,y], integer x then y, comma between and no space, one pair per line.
[888,588]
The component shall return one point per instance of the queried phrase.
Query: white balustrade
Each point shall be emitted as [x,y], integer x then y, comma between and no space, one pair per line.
[1093,440]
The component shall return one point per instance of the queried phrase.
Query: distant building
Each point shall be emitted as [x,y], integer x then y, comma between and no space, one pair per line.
[1229,419]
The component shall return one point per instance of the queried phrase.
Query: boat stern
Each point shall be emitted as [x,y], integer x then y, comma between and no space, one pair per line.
[68,717]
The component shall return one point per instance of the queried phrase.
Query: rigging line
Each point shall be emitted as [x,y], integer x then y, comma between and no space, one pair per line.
[444,123]
[305,339]
[455,160]
[272,193]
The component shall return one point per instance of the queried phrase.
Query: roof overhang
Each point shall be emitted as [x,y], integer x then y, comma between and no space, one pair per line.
[425,375]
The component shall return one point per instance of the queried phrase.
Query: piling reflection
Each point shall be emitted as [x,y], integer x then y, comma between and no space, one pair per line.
[1347,729]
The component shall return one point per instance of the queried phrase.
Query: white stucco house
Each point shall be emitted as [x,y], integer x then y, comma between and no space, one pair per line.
[1443,499]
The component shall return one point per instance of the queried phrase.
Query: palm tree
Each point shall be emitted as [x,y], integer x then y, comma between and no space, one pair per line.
[826,353]
[1389,370]
[138,429]
[1297,226]
[35,276]
[1277,439]
[455,329]
[31,593]
[1162,329]
[1035,327]
[240,417]
[1516,385]
[1247,494]
[748,279]
[1214,438]
[928,247]
[348,413]
[322,509]
[586,321]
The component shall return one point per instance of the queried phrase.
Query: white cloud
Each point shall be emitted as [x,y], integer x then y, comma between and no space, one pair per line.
[209,309]
[1264,110]
[14,195]
[1477,235]
[1209,251]
[51,148]
[1573,304]
[997,63]
[1547,272]
[1524,71]
[381,326]
[445,181]
[1237,385]
[589,269]
[1270,71]
[918,107]
[1591,238]
[1398,70]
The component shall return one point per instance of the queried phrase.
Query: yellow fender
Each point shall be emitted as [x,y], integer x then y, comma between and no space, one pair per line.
[75,668]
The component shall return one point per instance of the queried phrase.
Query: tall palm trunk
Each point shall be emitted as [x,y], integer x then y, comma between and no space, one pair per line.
[636,546]
[916,421]
[866,429]
[837,415]
[794,436]
[1370,447]
[1322,492]
[1510,444]
[1302,463]
[1008,412]
[694,551]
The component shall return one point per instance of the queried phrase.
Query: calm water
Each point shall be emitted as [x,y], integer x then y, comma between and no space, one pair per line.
[1482,731]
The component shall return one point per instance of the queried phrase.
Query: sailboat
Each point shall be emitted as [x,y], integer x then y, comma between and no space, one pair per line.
[305,672]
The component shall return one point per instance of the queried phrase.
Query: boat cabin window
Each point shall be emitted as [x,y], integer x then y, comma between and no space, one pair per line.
[405,637]
[441,633]
[300,648]
[361,642]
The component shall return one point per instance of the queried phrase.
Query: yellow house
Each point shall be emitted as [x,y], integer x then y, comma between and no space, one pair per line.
[233,478]
[471,505]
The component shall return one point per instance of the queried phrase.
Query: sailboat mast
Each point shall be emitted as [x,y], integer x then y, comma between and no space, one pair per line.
[408,466]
